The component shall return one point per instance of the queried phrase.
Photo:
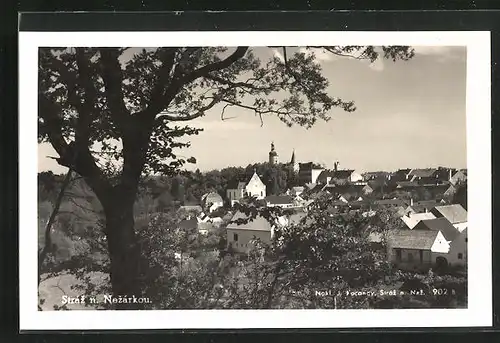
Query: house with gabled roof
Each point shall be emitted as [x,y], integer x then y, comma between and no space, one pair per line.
[455,214]
[411,249]
[457,254]
[399,175]
[424,176]
[421,206]
[412,219]
[459,177]
[242,229]
[283,201]
[239,189]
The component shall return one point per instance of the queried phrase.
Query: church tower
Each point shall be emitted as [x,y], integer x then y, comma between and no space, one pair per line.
[294,163]
[273,155]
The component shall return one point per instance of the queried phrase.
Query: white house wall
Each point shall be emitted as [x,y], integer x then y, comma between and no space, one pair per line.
[314,174]
[440,245]
[243,244]
[356,177]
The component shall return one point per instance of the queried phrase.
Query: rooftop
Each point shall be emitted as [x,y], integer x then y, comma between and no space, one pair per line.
[454,213]
[258,223]
[411,239]
[438,224]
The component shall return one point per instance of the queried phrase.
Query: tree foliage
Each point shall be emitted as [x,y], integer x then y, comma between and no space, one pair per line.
[112,115]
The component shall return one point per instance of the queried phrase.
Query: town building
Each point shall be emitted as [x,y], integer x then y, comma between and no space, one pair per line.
[459,177]
[283,201]
[457,253]
[412,219]
[309,172]
[254,188]
[454,213]
[211,201]
[411,249]
[240,235]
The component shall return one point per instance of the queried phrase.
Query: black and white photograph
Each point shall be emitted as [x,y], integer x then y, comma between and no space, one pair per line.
[202,174]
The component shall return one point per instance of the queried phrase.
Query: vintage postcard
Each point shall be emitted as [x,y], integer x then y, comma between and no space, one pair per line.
[194,180]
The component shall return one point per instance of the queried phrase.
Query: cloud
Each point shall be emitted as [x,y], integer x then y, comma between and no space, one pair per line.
[377,65]
[441,53]
[432,50]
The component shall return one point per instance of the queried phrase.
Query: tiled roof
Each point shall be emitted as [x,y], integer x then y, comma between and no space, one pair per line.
[454,213]
[407,184]
[411,239]
[386,202]
[413,219]
[279,199]
[257,224]
[343,174]
[237,183]
[438,224]
[428,172]
[422,206]
[322,177]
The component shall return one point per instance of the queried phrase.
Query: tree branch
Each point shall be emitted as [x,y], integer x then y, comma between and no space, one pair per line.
[85,110]
[112,75]
[47,248]
[181,81]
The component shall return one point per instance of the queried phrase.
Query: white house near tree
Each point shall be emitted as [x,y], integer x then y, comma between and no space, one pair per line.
[457,253]
[411,249]
[253,188]
[240,235]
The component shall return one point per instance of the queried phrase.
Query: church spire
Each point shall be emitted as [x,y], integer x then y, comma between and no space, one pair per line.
[292,161]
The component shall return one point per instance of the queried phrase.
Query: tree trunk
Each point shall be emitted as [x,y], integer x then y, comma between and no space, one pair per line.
[124,251]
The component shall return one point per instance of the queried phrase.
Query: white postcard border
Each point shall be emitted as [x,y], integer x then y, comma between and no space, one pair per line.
[479,311]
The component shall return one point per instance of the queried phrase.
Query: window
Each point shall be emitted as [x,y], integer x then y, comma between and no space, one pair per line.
[421,256]
[410,257]
[398,255]
[261,193]
[235,237]
[465,239]
[460,256]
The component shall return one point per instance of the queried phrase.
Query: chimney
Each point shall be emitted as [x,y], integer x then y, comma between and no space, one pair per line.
[449,179]
[411,201]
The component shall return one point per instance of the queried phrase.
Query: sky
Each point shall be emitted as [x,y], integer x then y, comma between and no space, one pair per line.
[409,115]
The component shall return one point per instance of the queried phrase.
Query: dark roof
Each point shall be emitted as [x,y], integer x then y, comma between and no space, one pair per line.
[188,223]
[310,165]
[404,171]
[387,202]
[425,203]
[412,239]
[279,199]
[454,213]
[439,224]
[322,177]
[407,184]
[374,175]
[342,174]
[427,172]
[237,183]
